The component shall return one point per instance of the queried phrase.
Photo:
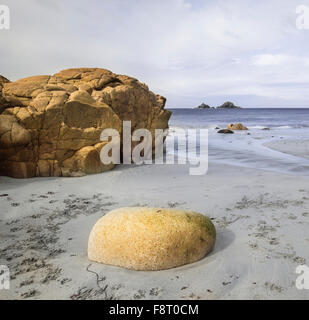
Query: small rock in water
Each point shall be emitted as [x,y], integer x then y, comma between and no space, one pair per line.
[237,126]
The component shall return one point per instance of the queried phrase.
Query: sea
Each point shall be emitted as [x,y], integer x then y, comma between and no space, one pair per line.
[243,148]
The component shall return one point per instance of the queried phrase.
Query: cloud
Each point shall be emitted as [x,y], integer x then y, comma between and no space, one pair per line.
[189,51]
[269,59]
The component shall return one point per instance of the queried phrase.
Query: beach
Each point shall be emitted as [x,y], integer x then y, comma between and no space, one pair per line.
[154,150]
[298,148]
[261,217]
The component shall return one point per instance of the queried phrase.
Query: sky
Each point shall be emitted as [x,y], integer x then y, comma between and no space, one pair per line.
[190,51]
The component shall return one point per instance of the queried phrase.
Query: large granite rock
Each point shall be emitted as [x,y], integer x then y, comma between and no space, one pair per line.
[151,238]
[51,125]
[3,103]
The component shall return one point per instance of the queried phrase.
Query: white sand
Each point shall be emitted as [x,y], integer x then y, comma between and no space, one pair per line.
[299,148]
[262,219]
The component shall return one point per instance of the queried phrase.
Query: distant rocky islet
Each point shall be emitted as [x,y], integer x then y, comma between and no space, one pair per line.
[225,105]
[230,127]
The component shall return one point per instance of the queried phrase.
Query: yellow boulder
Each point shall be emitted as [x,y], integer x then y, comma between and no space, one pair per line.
[151,238]
[237,126]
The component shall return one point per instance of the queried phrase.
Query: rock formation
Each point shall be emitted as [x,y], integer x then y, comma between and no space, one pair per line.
[228,105]
[51,125]
[237,126]
[203,106]
[3,103]
[151,238]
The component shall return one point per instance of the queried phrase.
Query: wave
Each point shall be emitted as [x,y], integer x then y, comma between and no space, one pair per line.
[284,127]
[256,127]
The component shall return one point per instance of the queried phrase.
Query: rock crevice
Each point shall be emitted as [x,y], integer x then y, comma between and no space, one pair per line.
[51,125]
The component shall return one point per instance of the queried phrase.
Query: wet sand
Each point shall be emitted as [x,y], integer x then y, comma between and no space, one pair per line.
[299,148]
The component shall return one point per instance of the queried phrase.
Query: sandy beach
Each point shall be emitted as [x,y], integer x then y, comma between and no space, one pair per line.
[299,148]
[261,217]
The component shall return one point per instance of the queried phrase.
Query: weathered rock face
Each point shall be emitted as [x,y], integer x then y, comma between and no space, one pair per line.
[2,100]
[51,125]
[237,126]
[151,238]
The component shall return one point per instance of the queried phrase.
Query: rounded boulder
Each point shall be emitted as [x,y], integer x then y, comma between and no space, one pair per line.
[151,238]
[237,126]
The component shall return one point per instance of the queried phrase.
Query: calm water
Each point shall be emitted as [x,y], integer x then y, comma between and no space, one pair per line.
[254,118]
[240,148]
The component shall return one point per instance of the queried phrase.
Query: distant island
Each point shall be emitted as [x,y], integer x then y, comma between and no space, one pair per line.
[225,105]
[228,105]
[204,106]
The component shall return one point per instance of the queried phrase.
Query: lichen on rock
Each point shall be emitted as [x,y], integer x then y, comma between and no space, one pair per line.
[151,238]
[51,125]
